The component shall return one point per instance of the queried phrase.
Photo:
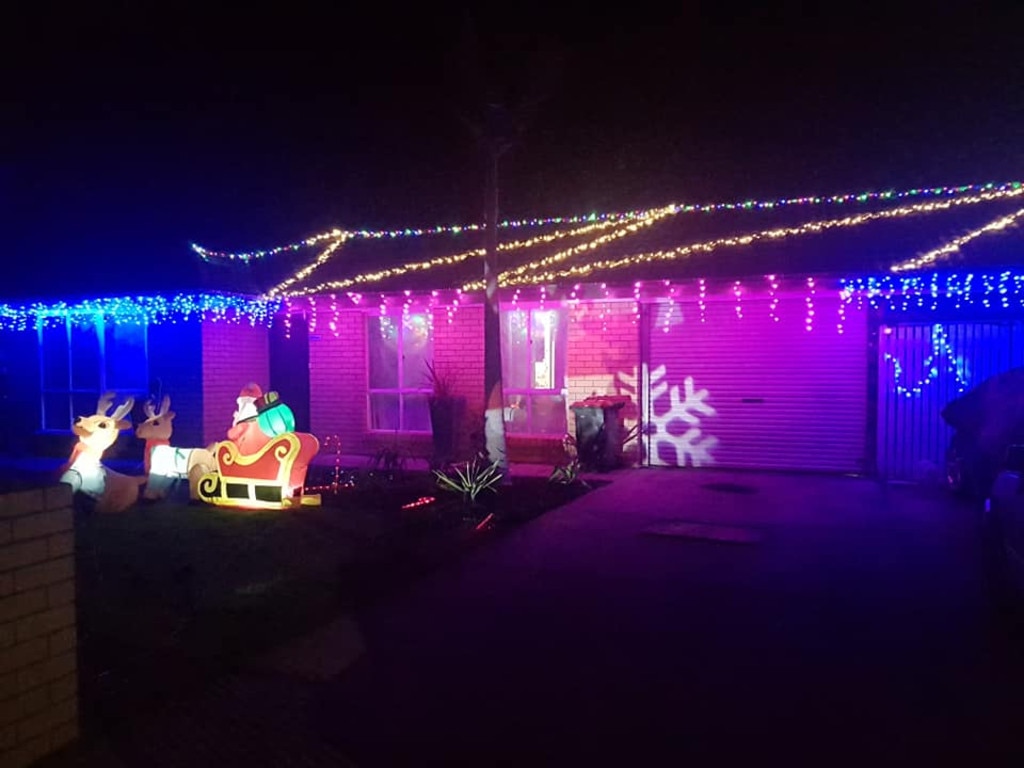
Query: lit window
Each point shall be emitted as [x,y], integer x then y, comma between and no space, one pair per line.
[399,349]
[80,358]
[533,361]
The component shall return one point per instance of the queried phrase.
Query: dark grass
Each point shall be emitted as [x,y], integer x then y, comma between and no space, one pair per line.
[173,595]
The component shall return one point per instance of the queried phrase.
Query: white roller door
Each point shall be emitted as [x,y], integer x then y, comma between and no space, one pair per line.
[751,386]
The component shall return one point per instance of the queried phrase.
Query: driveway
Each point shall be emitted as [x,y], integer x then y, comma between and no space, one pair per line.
[850,623]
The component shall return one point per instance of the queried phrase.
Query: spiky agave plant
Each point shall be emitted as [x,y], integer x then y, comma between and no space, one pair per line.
[470,479]
[569,472]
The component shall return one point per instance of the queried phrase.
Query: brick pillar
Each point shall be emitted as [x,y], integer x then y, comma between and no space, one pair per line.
[38,647]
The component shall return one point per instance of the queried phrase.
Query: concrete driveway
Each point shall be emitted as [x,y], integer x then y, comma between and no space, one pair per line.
[855,626]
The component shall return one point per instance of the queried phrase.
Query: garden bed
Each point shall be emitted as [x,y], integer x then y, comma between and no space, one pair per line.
[172,594]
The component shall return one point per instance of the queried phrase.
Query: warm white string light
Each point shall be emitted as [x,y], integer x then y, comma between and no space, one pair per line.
[440,261]
[944,251]
[536,277]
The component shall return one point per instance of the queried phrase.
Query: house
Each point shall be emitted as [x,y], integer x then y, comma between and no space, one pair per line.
[816,333]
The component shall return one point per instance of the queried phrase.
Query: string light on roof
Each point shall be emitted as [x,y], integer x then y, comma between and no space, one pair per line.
[671,307]
[324,256]
[450,260]
[531,274]
[247,256]
[931,292]
[944,251]
[528,274]
[138,310]
[809,321]
[841,199]
[773,300]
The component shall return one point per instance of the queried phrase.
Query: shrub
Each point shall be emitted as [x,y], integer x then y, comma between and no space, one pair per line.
[470,479]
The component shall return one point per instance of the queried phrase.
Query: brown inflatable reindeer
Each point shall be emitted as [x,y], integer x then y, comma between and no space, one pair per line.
[165,465]
[156,429]
[85,472]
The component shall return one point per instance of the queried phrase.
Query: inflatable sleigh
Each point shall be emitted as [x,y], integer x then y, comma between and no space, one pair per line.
[272,478]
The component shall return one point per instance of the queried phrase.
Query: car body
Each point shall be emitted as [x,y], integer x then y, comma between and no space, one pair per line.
[1004,526]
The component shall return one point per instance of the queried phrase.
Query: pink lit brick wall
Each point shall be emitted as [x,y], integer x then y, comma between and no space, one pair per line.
[38,643]
[338,381]
[459,352]
[233,355]
[604,341]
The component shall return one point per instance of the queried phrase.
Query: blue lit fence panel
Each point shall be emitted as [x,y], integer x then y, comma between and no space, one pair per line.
[922,366]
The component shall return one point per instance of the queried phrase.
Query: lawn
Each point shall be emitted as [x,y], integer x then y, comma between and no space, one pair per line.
[172,594]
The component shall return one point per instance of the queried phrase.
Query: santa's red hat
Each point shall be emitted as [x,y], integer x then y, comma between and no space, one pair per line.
[247,398]
[252,389]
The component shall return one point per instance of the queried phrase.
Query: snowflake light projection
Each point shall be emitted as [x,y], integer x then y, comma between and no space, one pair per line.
[690,447]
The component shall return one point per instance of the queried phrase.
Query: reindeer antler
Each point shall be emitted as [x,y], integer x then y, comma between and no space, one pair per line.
[165,406]
[123,409]
[103,404]
[148,408]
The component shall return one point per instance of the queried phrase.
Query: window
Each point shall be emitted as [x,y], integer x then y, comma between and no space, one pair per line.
[82,357]
[399,349]
[533,361]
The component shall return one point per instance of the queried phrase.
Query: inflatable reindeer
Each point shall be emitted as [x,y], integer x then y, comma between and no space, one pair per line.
[156,429]
[85,472]
[166,464]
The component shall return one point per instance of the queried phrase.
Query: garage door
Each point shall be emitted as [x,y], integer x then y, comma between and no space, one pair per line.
[758,383]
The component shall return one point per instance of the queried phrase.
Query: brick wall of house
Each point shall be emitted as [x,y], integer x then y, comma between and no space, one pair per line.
[38,647]
[604,342]
[459,354]
[233,355]
[337,379]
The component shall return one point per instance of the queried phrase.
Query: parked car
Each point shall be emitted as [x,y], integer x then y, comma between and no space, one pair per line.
[1003,528]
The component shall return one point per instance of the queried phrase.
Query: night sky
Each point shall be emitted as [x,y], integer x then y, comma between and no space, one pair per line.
[131,129]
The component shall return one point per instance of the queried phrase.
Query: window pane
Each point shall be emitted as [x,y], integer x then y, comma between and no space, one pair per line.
[417,350]
[125,355]
[517,419]
[515,349]
[382,340]
[383,411]
[55,357]
[416,414]
[547,337]
[84,403]
[56,411]
[85,357]
[547,415]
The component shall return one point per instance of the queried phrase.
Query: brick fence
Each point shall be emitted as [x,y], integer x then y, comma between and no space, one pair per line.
[38,677]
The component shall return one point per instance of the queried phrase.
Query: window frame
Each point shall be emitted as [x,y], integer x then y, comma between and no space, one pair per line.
[398,317]
[561,367]
[99,326]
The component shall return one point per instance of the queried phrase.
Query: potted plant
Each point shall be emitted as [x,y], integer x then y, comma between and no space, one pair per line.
[446,409]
